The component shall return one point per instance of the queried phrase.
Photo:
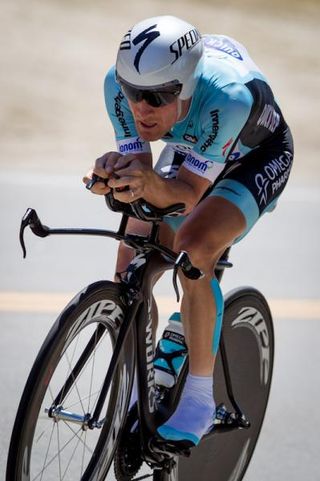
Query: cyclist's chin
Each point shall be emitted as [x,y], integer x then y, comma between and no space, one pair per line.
[150,134]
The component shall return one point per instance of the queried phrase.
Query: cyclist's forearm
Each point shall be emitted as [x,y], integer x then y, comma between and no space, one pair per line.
[163,192]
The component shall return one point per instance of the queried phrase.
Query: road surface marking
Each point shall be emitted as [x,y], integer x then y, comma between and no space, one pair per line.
[43,302]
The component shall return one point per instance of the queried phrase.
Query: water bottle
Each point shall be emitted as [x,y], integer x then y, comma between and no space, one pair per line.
[171,353]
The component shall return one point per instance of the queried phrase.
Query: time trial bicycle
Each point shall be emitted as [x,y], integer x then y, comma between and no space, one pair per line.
[74,422]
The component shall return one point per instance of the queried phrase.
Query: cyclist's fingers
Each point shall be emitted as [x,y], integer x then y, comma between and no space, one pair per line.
[100,188]
[97,187]
[125,161]
[134,169]
[120,182]
[86,178]
[104,165]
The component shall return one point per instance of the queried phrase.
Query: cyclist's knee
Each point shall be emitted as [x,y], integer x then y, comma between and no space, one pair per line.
[203,254]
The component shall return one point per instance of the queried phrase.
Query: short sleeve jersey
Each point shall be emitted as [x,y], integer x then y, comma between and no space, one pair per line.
[232,111]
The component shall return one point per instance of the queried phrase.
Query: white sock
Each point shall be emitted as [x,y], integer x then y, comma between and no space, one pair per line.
[195,412]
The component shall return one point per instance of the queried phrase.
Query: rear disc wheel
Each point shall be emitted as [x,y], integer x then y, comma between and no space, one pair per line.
[249,344]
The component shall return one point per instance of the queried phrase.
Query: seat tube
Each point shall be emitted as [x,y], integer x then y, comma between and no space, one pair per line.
[145,369]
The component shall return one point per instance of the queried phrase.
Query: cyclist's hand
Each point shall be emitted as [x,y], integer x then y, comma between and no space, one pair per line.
[130,178]
[103,168]
[96,185]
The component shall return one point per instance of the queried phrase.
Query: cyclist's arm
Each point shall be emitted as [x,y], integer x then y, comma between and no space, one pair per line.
[146,183]
[187,188]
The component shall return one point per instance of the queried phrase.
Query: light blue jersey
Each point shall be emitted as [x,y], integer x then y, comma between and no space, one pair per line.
[232,112]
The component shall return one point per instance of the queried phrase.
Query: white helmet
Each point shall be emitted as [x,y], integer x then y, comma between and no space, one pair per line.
[160,51]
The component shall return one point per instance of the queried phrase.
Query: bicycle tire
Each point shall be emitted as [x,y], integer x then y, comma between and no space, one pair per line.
[97,312]
[249,340]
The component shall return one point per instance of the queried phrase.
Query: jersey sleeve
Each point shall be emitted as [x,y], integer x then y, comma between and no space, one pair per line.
[126,135]
[222,117]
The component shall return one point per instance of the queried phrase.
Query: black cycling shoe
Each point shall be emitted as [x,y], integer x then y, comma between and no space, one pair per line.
[166,446]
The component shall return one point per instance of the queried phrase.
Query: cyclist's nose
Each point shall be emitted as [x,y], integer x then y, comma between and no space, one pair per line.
[143,108]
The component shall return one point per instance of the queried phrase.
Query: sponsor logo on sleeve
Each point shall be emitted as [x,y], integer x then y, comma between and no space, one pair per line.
[120,115]
[134,145]
[199,165]
[214,114]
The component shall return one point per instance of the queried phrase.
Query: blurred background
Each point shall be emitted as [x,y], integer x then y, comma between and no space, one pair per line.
[54,56]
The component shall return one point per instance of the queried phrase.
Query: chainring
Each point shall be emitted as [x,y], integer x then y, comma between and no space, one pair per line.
[128,455]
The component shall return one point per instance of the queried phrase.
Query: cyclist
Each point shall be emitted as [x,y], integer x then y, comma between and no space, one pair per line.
[227,157]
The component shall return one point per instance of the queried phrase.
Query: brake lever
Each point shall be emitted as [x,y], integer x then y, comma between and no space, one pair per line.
[183,261]
[31,219]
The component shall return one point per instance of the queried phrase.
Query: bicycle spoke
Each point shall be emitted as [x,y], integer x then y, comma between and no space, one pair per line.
[76,386]
[71,458]
[83,453]
[45,466]
[96,393]
[84,368]
[79,437]
[59,458]
[47,453]
[69,364]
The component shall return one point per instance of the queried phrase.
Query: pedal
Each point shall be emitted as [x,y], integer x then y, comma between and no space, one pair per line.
[167,447]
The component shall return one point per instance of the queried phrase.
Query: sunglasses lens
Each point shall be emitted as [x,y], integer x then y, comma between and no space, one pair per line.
[152,97]
[131,93]
[158,99]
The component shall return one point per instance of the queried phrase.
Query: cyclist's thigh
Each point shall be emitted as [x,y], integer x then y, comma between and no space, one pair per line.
[254,182]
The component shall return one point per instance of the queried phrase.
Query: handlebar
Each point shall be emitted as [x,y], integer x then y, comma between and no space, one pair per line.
[138,242]
[141,209]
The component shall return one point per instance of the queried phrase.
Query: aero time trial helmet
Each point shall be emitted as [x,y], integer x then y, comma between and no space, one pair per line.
[159,52]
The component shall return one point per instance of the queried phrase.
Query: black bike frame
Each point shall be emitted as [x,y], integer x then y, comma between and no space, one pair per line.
[151,260]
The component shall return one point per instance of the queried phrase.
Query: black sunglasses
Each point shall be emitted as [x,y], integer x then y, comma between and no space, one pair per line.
[155,96]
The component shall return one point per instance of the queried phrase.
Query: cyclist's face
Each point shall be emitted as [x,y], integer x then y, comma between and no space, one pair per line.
[152,123]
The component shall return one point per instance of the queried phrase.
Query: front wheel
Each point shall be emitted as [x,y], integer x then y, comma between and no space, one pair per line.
[249,345]
[52,438]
